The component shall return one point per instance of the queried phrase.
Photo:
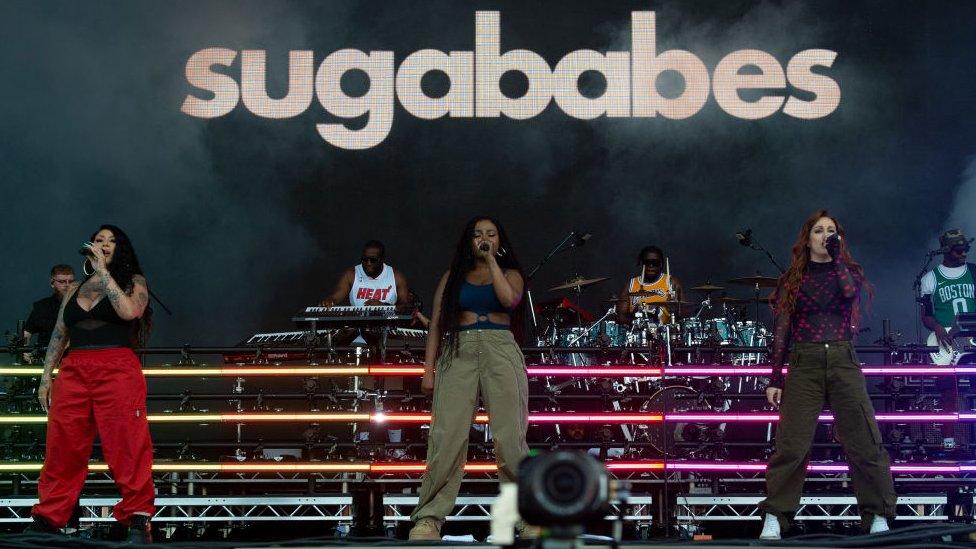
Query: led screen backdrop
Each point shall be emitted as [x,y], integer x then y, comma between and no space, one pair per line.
[251,148]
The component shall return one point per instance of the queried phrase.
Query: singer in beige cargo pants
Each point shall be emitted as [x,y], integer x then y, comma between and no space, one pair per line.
[489,363]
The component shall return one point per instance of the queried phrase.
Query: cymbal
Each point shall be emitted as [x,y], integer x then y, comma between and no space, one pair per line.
[672,303]
[578,283]
[707,288]
[669,303]
[740,300]
[761,281]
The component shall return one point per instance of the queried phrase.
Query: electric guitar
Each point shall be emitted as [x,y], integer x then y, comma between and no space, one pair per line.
[949,356]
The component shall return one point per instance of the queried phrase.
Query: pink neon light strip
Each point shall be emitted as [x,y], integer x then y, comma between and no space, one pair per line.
[488,467]
[608,371]
[611,370]
[814,467]
[623,417]
[565,417]
[767,417]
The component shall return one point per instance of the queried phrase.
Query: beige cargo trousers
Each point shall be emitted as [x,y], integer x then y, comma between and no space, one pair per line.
[488,364]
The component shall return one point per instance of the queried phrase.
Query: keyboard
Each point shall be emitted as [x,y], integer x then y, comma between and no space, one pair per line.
[352,316]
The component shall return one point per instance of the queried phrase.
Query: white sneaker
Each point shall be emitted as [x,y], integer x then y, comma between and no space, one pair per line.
[878,525]
[770,528]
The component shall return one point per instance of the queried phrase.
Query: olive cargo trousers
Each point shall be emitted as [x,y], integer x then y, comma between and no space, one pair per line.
[828,373]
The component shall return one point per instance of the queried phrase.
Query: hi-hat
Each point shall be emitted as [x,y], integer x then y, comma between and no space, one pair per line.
[632,295]
[707,288]
[578,283]
[761,281]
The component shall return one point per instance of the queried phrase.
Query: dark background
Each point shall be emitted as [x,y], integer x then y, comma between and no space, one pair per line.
[240,221]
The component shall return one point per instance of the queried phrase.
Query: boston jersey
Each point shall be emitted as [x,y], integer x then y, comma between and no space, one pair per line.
[951,291]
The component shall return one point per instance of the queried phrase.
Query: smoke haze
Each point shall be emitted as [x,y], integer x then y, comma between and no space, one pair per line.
[240,221]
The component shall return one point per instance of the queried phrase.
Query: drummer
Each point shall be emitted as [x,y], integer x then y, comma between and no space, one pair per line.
[651,289]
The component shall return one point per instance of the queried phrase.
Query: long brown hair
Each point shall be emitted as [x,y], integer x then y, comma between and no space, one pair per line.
[789,283]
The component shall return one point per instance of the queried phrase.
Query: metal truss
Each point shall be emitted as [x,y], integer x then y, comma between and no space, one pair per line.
[332,509]
[478,508]
[716,508]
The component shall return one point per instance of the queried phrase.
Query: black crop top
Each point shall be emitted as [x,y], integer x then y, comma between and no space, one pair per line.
[100,327]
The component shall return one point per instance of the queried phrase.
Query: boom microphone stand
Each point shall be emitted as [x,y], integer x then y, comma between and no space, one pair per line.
[577,241]
[746,239]
[917,291]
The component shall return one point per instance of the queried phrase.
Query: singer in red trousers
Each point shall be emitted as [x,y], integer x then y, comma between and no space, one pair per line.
[99,387]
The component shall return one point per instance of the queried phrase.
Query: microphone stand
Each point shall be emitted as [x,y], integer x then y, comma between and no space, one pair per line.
[161,304]
[753,244]
[917,292]
[558,248]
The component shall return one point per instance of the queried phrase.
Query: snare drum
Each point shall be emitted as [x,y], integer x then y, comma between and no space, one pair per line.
[750,333]
[692,331]
[575,337]
[608,333]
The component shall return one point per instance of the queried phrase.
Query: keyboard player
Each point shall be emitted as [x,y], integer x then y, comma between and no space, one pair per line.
[372,282]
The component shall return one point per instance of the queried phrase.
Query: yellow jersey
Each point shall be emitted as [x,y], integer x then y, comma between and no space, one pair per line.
[659,288]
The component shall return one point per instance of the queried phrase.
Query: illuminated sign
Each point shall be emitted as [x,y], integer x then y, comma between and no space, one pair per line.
[474,76]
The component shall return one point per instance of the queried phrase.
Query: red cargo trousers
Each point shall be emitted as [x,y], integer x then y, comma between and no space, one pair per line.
[101,389]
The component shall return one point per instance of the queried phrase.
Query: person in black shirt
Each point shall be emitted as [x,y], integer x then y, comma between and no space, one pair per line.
[44,312]
[816,317]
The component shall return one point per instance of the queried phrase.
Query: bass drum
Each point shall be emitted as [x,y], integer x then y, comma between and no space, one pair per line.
[679,440]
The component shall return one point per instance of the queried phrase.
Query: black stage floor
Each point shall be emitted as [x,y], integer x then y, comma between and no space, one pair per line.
[943,535]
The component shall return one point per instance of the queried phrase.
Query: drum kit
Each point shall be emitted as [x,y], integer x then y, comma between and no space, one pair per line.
[648,328]
[653,324]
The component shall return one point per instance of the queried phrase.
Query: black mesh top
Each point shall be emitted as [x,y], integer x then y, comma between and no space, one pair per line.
[824,306]
[98,328]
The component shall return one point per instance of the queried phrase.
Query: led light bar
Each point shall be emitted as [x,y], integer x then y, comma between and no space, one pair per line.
[612,370]
[568,417]
[607,371]
[814,467]
[634,465]
[767,417]
[485,467]
[254,467]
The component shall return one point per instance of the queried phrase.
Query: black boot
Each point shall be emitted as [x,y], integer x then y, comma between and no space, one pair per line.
[41,526]
[140,530]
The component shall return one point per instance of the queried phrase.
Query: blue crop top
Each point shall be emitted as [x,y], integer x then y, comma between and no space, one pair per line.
[481,300]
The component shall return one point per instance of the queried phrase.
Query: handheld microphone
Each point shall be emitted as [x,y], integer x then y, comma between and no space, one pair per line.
[85,251]
[484,246]
[832,240]
[744,237]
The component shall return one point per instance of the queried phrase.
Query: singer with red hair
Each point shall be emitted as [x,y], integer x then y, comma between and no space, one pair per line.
[816,310]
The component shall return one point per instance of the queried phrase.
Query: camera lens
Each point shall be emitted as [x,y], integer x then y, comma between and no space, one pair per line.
[564,483]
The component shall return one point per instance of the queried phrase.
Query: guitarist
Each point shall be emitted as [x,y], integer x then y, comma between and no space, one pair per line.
[948,290]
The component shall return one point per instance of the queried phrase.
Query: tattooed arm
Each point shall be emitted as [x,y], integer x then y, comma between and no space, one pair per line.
[129,306]
[59,342]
